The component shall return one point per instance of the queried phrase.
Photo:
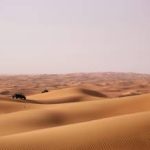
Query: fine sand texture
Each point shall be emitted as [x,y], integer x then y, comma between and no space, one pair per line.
[75,118]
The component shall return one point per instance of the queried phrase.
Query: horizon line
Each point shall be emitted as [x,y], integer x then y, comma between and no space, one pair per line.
[69,73]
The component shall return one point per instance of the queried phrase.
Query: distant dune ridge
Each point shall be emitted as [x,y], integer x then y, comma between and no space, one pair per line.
[110,83]
[78,118]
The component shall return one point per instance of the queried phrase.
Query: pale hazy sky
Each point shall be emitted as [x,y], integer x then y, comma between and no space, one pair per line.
[63,36]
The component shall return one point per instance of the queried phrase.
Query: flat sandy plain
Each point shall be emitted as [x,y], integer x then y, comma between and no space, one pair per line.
[94,111]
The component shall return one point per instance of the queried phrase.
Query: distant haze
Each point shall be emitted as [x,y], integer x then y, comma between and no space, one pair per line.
[63,36]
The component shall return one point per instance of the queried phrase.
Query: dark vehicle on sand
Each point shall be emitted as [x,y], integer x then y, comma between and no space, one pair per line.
[19,96]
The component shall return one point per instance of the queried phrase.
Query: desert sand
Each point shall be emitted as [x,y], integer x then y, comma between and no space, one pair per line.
[78,117]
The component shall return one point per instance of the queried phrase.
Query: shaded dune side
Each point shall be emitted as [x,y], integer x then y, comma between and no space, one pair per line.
[56,115]
[70,99]
[91,92]
[129,132]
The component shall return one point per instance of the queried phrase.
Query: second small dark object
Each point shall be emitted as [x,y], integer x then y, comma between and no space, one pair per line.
[45,91]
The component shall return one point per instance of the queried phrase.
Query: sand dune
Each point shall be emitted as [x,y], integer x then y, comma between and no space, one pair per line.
[75,118]
[9,106]
[45,116]
[120,133]
[74,94]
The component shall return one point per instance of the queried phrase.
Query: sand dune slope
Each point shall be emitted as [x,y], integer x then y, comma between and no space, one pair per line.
[46,116]
[74,94]
[9,106]
[129,132]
